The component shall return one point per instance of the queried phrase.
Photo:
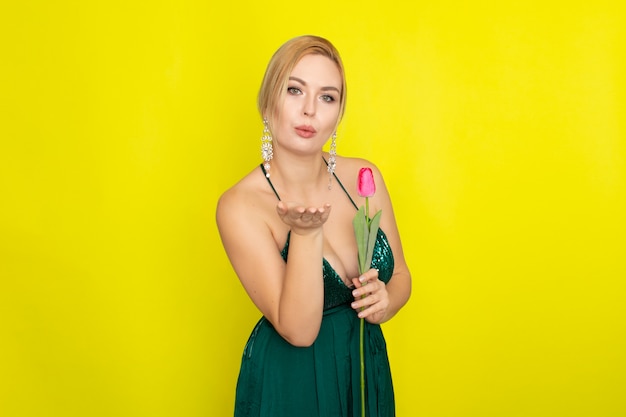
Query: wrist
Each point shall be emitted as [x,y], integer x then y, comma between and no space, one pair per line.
[307,232]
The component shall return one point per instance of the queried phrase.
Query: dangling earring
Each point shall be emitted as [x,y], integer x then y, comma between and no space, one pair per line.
[332,160]
[267,151]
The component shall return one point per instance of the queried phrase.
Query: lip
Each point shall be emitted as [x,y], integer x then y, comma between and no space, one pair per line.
[305,131]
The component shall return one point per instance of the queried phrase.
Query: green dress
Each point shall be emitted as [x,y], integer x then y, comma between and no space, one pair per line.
[278,379]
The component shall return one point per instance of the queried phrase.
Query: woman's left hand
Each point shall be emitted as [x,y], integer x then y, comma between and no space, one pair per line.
[371,297]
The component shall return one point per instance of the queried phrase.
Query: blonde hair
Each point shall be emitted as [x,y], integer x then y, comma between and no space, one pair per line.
[280,66]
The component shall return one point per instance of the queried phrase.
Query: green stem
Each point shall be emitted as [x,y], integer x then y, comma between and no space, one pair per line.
[362,330]
[362,324]
[362,369]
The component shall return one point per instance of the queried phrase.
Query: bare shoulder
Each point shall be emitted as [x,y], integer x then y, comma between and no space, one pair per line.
[352,165]
[246,193]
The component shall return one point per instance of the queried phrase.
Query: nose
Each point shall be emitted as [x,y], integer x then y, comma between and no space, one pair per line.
[309,106]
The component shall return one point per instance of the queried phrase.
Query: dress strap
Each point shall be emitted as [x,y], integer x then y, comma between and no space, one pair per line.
[270,182]
[342,187]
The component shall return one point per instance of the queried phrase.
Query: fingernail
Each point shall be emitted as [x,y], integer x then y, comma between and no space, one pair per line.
[362,278]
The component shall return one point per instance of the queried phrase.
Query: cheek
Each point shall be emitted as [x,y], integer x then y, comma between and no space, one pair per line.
[281,126]
[331,117]
[288,108]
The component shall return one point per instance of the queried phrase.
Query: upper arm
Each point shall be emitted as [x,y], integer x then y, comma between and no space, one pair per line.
[251,248]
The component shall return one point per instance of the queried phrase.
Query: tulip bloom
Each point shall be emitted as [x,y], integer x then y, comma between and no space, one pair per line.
[365,183]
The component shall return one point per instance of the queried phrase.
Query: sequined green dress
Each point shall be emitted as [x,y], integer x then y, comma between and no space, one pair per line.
[278,379]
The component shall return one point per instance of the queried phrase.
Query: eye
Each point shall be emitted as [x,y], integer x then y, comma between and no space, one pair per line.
[294,91]
[328,98]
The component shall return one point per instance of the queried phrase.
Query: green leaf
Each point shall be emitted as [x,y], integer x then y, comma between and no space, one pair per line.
[361,233]
[371,238]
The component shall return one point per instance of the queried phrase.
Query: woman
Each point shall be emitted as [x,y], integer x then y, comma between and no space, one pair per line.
[287,230]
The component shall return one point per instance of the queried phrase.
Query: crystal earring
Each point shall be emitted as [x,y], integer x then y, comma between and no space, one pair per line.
[267,151]
[332,160]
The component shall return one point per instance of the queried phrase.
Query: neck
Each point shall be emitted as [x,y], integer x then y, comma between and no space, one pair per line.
[300,176]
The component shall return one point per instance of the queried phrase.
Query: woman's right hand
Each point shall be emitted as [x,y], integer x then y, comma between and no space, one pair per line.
[300,219]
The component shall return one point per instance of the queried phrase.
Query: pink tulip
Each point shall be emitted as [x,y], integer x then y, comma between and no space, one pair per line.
[366,232]
[365,183]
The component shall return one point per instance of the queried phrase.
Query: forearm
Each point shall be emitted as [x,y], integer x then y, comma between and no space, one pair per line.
[302,298]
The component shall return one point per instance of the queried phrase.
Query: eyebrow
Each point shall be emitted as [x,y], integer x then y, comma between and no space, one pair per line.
[301,81]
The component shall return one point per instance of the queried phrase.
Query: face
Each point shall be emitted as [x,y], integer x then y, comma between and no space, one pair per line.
[310,110]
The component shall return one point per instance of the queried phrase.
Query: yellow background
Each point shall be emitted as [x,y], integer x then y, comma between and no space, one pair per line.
[499,127]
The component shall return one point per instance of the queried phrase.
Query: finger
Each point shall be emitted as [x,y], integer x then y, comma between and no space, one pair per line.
[364,290]
[369,288]
[365,307]
[357,305]
[363,314]
[369,305]
[374,317]
[320,216]
[362,303]
[286,209]
[361,291]
[296,213]
[370,275]
[315,215]
[281,208]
